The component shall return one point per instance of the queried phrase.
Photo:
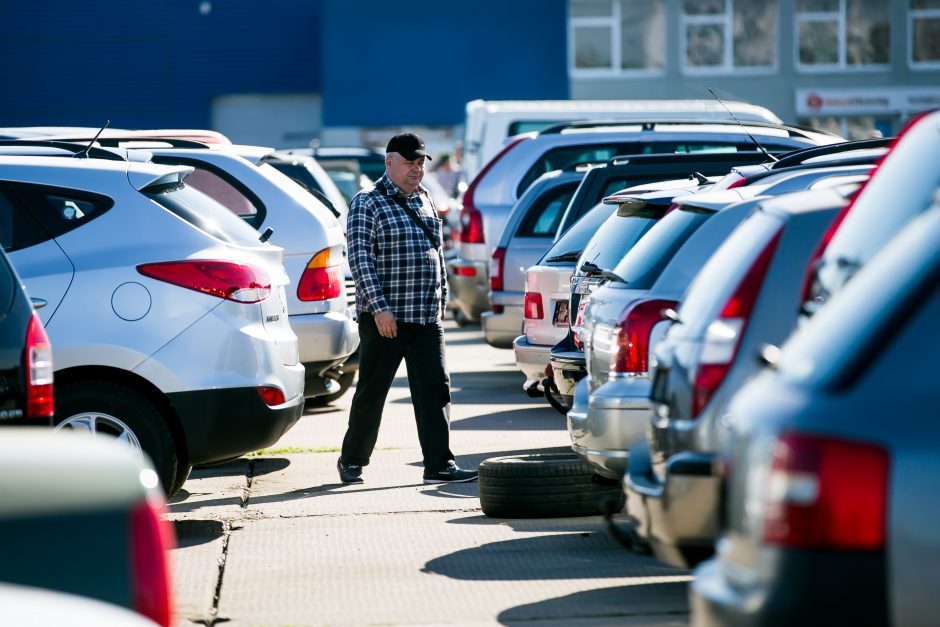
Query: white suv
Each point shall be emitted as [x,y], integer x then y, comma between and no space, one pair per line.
[167,314]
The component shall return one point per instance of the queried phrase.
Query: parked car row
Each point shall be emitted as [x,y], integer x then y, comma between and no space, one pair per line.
[751,356]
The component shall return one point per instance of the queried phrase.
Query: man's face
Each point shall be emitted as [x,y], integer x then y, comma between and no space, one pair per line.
[404,173]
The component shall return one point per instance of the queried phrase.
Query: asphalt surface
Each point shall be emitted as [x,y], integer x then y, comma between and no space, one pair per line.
[275,539]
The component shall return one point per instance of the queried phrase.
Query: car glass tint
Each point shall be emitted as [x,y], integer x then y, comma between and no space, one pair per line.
[298,172]
[722,274]
[18,228]
[529,126]
[643,264]
[8,285]
[577,237]
[204,213]
[561,158]
[848,334]
[223,192]
[545,214]
[615,237]
[59,210]
[902,187]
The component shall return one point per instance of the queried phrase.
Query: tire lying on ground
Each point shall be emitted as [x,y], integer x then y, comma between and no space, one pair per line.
[543,486]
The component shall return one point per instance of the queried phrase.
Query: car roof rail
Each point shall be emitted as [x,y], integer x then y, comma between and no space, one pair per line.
[582,166]
[797,157]
[669,157]
[74,147]
[652,123]
[116,141]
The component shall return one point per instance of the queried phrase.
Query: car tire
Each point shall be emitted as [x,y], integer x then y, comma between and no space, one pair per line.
[544,486]
[116,410]
[345,382]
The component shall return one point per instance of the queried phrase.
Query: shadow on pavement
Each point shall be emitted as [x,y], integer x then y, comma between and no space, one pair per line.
[562,556]
[240,466]
[522,419]
[195,532]
[663,603]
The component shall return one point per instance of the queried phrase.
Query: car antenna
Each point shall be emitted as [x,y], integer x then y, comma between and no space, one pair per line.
[84,154]
[733,117]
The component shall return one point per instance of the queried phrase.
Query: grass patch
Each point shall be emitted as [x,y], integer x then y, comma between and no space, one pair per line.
[287,450]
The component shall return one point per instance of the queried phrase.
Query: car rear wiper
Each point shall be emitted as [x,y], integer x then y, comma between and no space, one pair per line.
[591,267]
[571,255]
[607,274]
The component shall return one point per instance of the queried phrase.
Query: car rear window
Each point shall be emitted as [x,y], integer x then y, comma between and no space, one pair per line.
[204,213]
[714,284]
[616,236]
[545,213]
[643,264]
[576,238]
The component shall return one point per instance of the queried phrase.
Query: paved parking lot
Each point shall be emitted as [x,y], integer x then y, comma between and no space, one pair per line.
[275,539]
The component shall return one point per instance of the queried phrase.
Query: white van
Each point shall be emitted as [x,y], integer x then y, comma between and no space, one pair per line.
[489,122]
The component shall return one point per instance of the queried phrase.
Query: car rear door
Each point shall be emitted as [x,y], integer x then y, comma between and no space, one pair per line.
[31,216]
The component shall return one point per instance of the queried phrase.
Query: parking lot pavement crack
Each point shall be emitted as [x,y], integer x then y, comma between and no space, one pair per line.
[476,510]
[223,558]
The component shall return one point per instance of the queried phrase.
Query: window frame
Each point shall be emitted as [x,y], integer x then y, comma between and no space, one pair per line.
[912,15]
[726,20]
[800,17]
[612,22]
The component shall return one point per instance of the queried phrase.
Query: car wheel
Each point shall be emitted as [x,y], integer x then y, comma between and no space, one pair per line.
[117,411]
[544,486]
[345,382]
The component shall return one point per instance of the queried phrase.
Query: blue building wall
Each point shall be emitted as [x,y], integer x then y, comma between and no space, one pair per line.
[388,63]
[145,64]
[159,64]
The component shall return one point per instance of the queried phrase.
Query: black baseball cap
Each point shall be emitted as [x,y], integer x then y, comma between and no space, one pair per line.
[408,145]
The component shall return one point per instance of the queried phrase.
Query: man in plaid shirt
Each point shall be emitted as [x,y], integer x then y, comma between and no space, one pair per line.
[394,242]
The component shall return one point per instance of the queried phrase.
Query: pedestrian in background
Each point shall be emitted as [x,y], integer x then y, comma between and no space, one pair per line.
[395,254]
[447,174]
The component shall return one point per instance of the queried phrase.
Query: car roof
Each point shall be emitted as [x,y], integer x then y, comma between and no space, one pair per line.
[50,170]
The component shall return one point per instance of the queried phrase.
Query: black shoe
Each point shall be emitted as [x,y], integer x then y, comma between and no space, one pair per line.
[451,474]
[349,473]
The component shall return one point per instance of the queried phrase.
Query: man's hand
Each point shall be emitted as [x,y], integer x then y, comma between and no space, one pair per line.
[385,323]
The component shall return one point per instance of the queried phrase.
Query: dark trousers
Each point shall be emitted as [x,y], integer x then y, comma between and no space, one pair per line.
[422,348]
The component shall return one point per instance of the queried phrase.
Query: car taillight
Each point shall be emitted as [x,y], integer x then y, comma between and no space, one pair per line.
[824,492]
[271,395]
[471,220]
[629,352]
[465,270]
[496,269]
[533,306]
[37,367]
[238,282]
[723,335]
[321,279]
[151,537]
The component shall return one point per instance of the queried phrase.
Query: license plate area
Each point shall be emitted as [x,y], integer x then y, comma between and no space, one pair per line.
[560,318]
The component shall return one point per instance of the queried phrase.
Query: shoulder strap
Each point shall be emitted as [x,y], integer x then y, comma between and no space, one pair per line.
[414,217]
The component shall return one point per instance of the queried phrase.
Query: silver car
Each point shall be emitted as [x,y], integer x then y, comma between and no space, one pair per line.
[495,190]
[744,297]
[167,314]
[528,233]
[832,463]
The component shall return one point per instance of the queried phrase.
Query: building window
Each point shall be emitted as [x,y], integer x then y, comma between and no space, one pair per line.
[612,37]
[726,35]
[925,33]
[840,34]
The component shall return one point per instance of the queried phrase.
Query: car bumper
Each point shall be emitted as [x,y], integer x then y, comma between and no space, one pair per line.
[470,291]
[616,417]
[224,423]
[500,329]
[568,368]
[325,337]
[531,359]
[810,588]
[679,517]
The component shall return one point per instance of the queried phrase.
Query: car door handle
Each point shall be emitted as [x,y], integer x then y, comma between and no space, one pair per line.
[39,303]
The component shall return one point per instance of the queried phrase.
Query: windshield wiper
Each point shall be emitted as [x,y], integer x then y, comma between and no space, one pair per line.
[607,274]
[588,266]
[571,255]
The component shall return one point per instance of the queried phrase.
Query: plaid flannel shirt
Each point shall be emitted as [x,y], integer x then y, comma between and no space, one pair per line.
[394,265]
